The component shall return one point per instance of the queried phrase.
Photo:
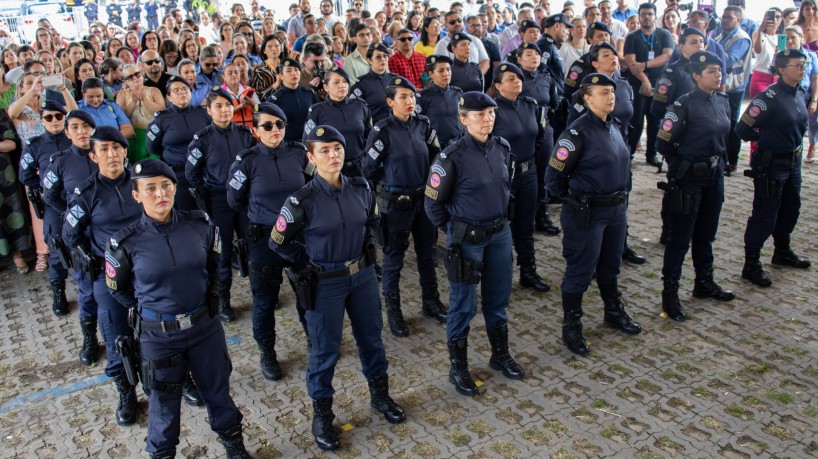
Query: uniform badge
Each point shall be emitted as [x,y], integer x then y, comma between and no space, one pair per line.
[433,59]
[562,153]
[754,111]
[434,180]
[595,80]
[138,169]
[281,224]
[503,68]
[702,58]
[319,132]
[110,271]
[667,125]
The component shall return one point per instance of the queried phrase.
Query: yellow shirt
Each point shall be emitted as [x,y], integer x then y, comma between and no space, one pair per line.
[425,50]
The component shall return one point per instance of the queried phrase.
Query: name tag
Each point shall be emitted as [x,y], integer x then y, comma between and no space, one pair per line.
[651,55]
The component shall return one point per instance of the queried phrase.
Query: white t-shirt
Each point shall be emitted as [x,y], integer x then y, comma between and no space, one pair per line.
[476,55]
[764,59]
[569,55]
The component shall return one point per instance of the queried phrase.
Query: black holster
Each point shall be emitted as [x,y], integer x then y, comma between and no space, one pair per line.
[512,207]
[128,349]
[36,198]
[304,283]
[765,186]
[83,261]
[62,251]
[580,210]
[202,198]
[460,268]
[213,298]
[395,239]
[678,200]
[149,368]
[242,256]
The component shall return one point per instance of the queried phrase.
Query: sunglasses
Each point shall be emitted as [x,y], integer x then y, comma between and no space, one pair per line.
[132,76]
[153,61]
[208,64]
[269,126]
[455,21]
[56,116]
[359,4]
[405,39]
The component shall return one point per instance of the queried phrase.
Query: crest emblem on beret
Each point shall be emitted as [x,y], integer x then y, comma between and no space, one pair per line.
[462,101]
[397,81]
[595,80]
[503,67]
[702,58]
[432,60]
[138,169]
[786,52]
[319,132]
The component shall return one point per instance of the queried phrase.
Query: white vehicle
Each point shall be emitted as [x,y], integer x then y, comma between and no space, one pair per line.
[56,13]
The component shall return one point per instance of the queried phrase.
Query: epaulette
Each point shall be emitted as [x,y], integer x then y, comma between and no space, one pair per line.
[302,193]
[295,144]
[424,119]
[529,99]
[359,181]
[503,142]
[123,234]
[242,127]
[85,184]
[196,215]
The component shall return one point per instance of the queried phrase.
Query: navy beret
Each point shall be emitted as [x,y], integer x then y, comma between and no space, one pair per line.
[597,25]
[152,167]
[437,58]
[476,101]
[401,82]
[272,109]
[790,54]
[458,37]
[528,24]
[176,79]
[221,92]
[688,31]
[288,62]
[506,67]
[526,45]
[52,106]
[109,133]
[81,115]
[598,79]
[339,71]
[604,45]
[558,18]
[703,58]
[376,47]
[325,133]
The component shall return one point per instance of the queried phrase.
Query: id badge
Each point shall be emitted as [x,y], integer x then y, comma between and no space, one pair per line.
[651,55]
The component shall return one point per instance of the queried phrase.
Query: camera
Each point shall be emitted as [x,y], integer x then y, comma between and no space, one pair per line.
[686,6]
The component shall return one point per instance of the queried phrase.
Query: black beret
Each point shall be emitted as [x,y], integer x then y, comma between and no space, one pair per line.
[526,45]
[436,59]
[288,62]
[325,133]
[604,45]
[339,71]
[701,59]
[598,79]
[221,92]
[506,67]
[688,31]
[109,133]
[52,106]
[457,37]
[269,108]
[81,115]
[476,101]
[152,167]
[597,25]
[176,79]
[528,24]
[401,82]
[790,54]
[555,18]
[376,47]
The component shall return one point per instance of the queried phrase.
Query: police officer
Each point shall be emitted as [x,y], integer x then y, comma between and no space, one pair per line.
[537,84]
[521,121]
[777,120]
[467,193]
[101,206]
[90,10]
[152,14]
[134,10]
[399,152]
[465,75]
[34,163]
[68,169]
[350,116]
[693,138]
[590,170]
[261,178]
[172,130]
[371,87]
[293,98]
[340,259]
[549,45]
[114,11]
[596,33]
[210,155]
[439,101]
[146,263]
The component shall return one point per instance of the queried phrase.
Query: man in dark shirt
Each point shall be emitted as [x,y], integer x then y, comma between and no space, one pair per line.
[153,68]
[647,52]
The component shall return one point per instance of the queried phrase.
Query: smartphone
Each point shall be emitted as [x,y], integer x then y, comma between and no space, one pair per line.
[769,15]
[52,81]
[782,42]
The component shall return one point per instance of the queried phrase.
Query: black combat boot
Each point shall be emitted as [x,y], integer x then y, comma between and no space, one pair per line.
[191,393]
[752,268]
[394,314]
[459,373]
[381,402]
[500,358]
[530,279]
[706,287]
[631,256]
[542,222]
[784,256]
[90,345]
[572,323]
[326,436]
[128,405]
[670,300]
[432,306]
[226,313]
[615,315]
[59,304]
[164,454]
[269,363]
[233,443]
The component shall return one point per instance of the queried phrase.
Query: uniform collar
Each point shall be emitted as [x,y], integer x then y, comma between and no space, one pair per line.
[789,89]
[265,150]
[125,176]
[703,95]
[598,121]
[406,124]
[159,226]
[474,143]
[507,102]
[330,190]
[56,136]
[175,108]
[80,151]
[336,103]
[230,128]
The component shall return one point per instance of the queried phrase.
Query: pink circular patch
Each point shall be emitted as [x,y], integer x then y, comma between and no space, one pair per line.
[562,153]
[281,224]
[434,180]
[667,125]
[754,111]
[662,89]
[109,270]
[573,75]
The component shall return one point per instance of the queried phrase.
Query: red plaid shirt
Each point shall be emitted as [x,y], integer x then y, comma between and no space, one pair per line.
[410,68]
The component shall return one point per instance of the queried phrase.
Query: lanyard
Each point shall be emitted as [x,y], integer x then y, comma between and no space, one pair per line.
[649,43]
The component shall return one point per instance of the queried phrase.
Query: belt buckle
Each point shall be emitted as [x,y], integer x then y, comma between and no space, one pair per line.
[352,267]
[184,321]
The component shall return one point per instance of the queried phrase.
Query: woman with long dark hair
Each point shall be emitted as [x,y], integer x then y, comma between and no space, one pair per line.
[429,35]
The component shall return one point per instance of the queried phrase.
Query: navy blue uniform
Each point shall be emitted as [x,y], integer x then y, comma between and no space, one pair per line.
[623,110]
[371,88]
[352,119]
[551,56]
[398,158]
[91,11]
[169,136]
[68,170]
[36,159]
[579,68]
[334,223]
[114,11]
[101,207]
[207,168]
[675,82]
[149,261]
[261,179]
[466,76]
[295,103]
[133,10]
[152,15]
[693,138]
[777,119]
[542,88]
[440,106]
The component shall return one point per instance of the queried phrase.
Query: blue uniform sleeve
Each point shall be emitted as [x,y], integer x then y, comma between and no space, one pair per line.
[284,238]
[28,168]
[672,127]
[758,112]
[377,146]
[565,157]
[54,188]
[119,273]
[77,219]
[154,136]
[666,86]
[196,161]
[238,187]
[439,188]
[214,254]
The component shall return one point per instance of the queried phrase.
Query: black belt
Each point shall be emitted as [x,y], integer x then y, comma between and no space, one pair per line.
[525,166]
[348,270]
[788,154]
[601,200]
[181,322]
[479,233]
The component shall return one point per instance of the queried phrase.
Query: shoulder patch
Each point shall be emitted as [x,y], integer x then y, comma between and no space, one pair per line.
[199,215]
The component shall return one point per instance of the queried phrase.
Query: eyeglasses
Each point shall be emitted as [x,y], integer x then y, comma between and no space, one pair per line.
[269,126]
[133,76]
[56,116]
[455,21]
[182,90]
[405,39]
[797,66]
[358,4]
[310,23]
[153,62]
[208,64]
[380,57]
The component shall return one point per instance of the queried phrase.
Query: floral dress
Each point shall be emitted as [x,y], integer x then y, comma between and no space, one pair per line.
[14,234]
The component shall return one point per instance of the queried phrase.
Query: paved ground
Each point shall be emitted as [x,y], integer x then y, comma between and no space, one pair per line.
[737,380]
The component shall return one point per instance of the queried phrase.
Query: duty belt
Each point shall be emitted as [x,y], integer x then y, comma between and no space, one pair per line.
[525,166]
[403,200]
[601,200]
[788,153]
[480,233]
[163,322]
[350,267]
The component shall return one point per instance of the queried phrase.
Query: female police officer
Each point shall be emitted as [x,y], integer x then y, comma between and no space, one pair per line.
[371,87]
[521,121]
[146,263]
[777,119]
[590,169]
[693,139]
[261,179]
[440,99]
[467,193]
[337,217]
[399,152]
[210,155]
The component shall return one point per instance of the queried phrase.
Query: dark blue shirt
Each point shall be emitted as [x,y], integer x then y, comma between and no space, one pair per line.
[91,11]
[539,86]
[466,76]
[623,109]
[675,82]
[171,131]
[111,9]
[350,117]
[261,179]
[640,45]
[522,124]
[295,103]
[398,153]
[371,88]
[776,118]
[37,154]
[151,9]
[695,127]
[133,12]
[213,79]
[553,61]
[440,106]
[69,168]
[211,153]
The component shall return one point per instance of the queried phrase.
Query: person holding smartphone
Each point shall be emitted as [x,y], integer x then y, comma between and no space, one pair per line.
[765,44]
